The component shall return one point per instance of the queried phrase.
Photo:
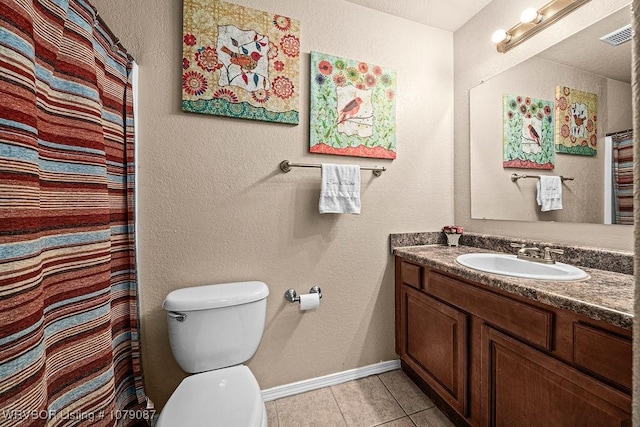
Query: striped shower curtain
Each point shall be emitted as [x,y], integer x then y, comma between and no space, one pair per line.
[623,176]
[69,350]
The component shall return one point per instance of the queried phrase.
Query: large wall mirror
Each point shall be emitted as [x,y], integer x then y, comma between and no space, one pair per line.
[581,62]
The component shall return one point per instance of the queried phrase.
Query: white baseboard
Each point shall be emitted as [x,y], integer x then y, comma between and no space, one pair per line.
[328,380]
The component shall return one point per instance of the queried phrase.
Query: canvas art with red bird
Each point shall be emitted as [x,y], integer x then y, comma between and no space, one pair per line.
[240,62]
[355,114]
[246,62]
[527,132]
[352,108]
[533,133]
[244,58]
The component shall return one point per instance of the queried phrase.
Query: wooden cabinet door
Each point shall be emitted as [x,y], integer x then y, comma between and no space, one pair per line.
[435,345]
[523,387]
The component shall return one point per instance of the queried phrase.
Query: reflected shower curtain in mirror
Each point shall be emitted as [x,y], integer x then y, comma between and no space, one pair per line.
[623,177]
[69,350]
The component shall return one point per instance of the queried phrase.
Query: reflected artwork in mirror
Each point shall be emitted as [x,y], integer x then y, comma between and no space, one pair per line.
[581,62]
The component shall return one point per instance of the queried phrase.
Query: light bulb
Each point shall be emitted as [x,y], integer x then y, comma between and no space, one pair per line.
[499,36]
[530,15]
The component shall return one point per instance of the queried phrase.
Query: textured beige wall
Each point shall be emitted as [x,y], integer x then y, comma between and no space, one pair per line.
[619,100]
[214,207]
[476,60]
[493,195]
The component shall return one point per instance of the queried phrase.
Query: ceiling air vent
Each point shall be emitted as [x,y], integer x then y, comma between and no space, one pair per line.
[619,36]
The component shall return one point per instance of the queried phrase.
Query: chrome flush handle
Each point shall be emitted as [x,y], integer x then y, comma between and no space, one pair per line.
[180,317]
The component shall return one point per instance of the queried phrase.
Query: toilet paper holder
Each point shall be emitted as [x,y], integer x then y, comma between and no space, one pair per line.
[292,296]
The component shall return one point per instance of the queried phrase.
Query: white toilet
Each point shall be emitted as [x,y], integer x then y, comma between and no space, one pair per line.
[212,330]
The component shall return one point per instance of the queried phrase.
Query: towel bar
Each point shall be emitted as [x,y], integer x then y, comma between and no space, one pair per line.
[515,177]
[285,166]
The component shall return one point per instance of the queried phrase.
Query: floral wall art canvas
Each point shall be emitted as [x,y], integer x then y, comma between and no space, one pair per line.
[240,62]
[576,122]
[528,132]
[353,110]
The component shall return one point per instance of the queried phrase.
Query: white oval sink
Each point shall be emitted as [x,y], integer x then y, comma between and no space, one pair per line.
[510,265]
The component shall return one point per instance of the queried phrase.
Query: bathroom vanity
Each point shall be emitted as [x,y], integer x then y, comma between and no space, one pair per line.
[502,351]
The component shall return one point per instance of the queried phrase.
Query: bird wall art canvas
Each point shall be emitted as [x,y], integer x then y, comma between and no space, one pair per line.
[240,62]
[353,110]
[576,122]
[528,132]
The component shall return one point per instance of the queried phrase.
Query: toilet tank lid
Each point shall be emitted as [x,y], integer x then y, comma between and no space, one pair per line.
[215,296]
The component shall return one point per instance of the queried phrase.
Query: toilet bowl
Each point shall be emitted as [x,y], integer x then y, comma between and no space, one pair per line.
[212,330]
[224,397]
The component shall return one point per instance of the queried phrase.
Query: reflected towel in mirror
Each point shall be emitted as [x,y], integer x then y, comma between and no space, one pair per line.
[549,196]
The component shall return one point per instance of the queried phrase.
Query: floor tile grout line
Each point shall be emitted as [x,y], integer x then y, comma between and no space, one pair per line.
[277,412]
[398,402]
[405,411]
[406,414]
[394,398]
[410,419]
[338,405]
[395,419]
[392,395]
[386,388]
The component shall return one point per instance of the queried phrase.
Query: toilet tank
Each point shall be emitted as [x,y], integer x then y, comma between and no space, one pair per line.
[216,326]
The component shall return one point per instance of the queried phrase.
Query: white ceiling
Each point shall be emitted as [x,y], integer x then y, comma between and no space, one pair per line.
[582,51]
[445,14]
[585,51]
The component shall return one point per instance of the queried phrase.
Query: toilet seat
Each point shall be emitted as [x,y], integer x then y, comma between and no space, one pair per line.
[227,397]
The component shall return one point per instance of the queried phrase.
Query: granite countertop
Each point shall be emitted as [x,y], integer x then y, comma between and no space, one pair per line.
[606,296]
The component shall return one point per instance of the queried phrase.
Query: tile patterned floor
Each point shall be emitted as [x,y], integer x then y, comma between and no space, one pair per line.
[390,400]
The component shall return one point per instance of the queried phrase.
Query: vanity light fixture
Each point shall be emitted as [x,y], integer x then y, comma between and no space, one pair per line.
[532,21]
[531,16]
[500,36]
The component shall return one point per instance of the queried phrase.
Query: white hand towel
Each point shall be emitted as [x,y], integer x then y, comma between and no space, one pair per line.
[340,189]
[549,196]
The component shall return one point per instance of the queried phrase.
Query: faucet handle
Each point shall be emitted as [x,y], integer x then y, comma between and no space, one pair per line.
[520,246]
[547,254]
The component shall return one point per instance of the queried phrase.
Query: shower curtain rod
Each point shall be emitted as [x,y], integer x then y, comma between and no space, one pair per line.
[619,132]
[115,40]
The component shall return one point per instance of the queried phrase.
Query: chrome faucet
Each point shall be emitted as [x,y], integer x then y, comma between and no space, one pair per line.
[529,254]
[533,253]
[547,254]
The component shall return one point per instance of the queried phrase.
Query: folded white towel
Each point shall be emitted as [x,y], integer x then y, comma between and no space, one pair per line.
[549,196]
[340,189]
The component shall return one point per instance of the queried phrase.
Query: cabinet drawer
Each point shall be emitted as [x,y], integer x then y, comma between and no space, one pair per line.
[529,323]
[603,353]
[411,274]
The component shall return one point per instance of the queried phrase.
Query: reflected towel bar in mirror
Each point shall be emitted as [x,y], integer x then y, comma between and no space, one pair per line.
[515,177]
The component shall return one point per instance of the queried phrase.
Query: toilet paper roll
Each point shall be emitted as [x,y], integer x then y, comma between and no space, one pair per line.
[309,301]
